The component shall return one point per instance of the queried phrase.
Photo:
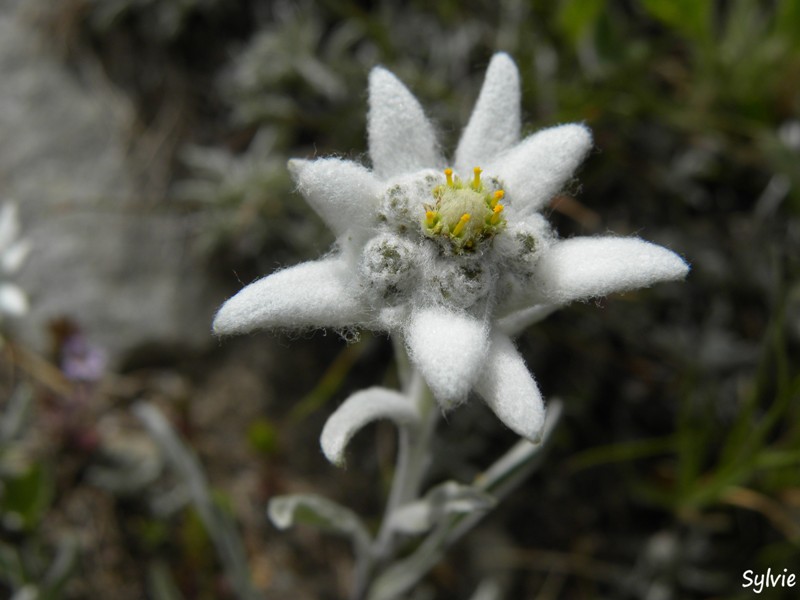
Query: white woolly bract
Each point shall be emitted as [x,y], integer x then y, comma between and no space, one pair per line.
[587,267]
[401,139]
[359,410]
[442,259]
[508,388]
[316,294]
[539,166]
[343,193]
[495,123]
[448,348]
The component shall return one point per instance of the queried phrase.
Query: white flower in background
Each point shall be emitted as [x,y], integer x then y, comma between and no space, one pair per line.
[13,251]
[451,256]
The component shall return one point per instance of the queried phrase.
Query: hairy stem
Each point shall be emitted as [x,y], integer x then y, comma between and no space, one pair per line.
[500,480]
[413,459]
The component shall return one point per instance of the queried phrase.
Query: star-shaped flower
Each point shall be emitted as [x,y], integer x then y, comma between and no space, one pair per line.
[454,260]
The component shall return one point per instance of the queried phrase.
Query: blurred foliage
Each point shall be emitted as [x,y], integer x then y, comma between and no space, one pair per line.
[678,457]
[263,437]
[165,19]
[30,565]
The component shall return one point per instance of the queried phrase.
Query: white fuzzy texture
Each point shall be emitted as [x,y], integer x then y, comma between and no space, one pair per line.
[388,266]
[588,267]
[359,410]
[392,275]
[539,166]
[401,139]
[448,348]
[510,246]
[343,193]
[317,294]
[495,122]
[509,389]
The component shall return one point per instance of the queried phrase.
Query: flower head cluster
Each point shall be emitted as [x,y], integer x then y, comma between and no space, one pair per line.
[454,257]
[13,252]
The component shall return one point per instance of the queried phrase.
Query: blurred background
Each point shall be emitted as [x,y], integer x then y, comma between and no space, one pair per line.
[144,143]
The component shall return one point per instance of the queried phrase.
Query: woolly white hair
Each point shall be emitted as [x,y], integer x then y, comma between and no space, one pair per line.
[455,303]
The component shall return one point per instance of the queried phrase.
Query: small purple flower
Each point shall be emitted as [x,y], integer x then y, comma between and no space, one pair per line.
[82,361]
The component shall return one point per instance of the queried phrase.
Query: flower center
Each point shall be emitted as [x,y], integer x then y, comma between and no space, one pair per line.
[463,214]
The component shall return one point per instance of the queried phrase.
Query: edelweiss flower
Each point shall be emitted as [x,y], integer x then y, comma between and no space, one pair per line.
[13,251]
[451,256]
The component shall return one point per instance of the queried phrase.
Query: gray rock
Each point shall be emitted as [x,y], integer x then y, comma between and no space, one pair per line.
[121,267]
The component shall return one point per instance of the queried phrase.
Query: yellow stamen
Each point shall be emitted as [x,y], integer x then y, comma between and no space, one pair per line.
[495,218]
[476,180]
[496,197]
[449,174]
[461,224]
[430,218]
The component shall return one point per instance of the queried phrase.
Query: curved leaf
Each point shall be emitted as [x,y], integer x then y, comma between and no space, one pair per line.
[359,410]
[320,512]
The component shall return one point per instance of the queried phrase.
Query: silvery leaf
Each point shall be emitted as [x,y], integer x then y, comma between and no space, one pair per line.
[320,512]
[359,410]
[445,499]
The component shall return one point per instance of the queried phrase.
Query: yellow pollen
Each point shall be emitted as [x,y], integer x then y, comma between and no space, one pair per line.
[461,224]
[476,180]
[449,174]
[464,213]
[495,218]
[496,197]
